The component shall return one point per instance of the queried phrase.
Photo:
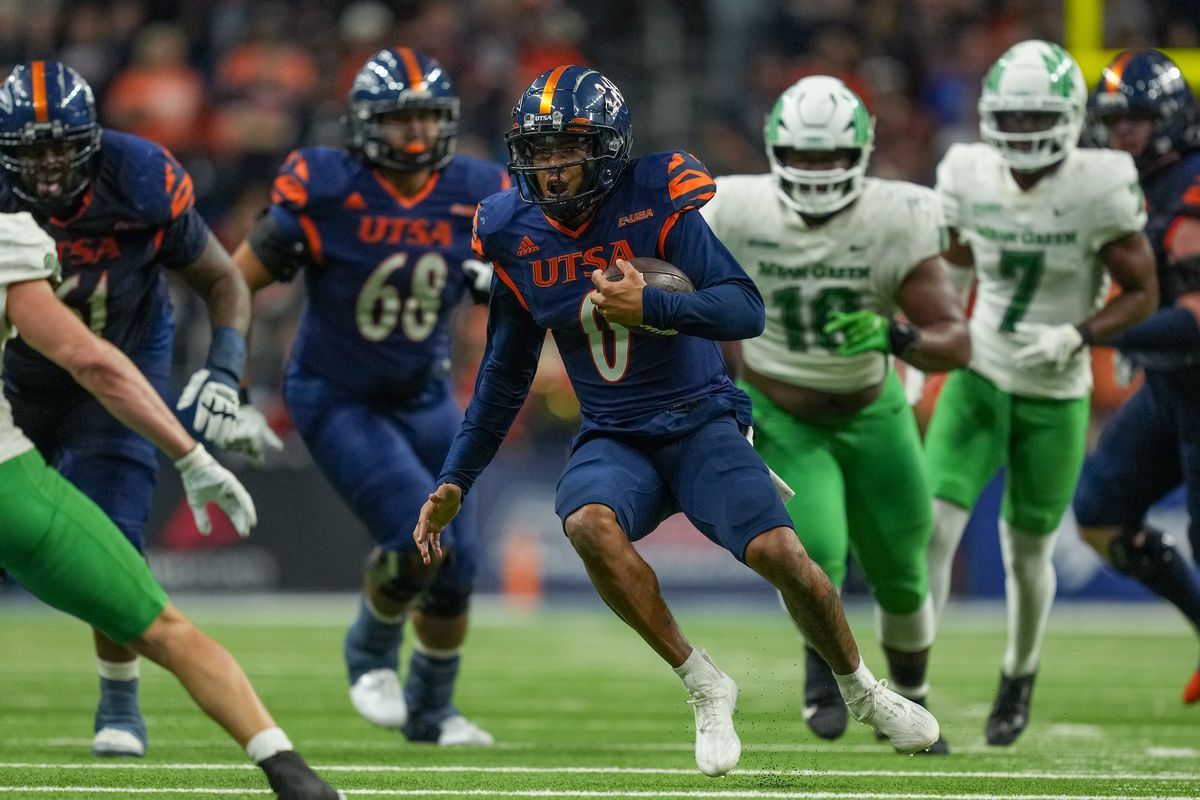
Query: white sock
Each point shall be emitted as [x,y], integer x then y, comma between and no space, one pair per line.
[267,743]
[949,522]
[697,667]
[857,683]
[908,633]
[119,670]
[1029,585]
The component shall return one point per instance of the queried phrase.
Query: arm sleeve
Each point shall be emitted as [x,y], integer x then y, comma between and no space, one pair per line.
[726,304]
[514,345]
[278,241]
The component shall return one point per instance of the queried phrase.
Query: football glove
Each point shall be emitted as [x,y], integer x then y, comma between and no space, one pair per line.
[862,331]
[479,279]
[252,435]
[1050,345]
[784,491]
[209,402]
[205,481]
[1124,370]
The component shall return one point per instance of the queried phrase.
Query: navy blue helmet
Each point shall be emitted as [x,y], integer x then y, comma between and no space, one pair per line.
[569,107]
[395,80]
[49,135]
[1145,84]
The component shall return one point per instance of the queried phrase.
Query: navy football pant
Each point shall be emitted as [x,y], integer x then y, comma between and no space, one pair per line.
[383,462]
[712,474]
[1148,447]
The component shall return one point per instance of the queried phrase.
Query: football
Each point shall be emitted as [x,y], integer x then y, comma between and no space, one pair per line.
[657,273]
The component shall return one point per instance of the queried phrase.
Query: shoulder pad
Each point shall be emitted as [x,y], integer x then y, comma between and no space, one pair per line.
[313,175]
[495,212]
[684,179]
[27,252]
[155,185]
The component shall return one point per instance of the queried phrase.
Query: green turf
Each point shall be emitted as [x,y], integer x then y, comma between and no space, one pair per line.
[580,708]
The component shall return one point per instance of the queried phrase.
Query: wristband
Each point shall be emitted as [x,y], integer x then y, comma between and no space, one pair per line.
[903,338]
[227,353]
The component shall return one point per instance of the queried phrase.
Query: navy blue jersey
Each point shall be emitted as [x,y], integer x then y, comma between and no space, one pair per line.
[136,217]
[629,383]
[382,271]
[1171,193]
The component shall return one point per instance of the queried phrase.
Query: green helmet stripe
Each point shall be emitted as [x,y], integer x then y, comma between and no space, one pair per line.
[995,74]
[861,120]
[1059,64]
[773,122]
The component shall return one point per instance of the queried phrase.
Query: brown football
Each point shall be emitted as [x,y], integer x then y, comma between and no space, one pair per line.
[657,273]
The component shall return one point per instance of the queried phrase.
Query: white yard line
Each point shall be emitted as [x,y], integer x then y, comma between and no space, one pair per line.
[521,770]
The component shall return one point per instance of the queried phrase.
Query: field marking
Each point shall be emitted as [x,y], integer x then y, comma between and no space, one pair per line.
[522,770]
[554,793]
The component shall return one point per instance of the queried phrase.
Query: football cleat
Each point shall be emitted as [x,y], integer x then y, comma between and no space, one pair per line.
[378,697]
[458,731]
[1010,714]
[939,748]
[824,708]
[714,701]
[1191,692]
[118,743]
[292,779]
[908,726]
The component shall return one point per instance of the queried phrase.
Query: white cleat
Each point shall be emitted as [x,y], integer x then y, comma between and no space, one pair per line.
[115,743]
[714,700]
[378,697]
[458,731]
[908,725]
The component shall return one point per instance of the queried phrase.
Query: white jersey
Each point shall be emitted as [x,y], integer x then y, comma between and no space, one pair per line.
[26,254]
[1037,252]
[856,260]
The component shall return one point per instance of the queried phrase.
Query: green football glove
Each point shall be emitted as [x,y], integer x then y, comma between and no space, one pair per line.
[862,332]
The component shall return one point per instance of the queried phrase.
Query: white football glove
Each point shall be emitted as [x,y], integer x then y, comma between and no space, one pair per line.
[206,481]
[252,436]
[216,406]
[1051,345]
[479,278]
[914,384]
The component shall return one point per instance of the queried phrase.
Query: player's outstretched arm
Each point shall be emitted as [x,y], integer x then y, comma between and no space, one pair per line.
[438,512]
[211,396]
[49,327]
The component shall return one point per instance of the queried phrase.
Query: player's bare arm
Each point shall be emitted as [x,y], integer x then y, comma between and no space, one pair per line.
[1130,262]
[214,277]
[439,511]
[620,301]
[929,302]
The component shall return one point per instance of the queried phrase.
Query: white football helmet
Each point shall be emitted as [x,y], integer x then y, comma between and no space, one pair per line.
[819,113]
[1033,76]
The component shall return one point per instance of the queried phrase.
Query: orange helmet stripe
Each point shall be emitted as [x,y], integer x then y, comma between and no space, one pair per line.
[41,110]
[1113,72]
[416,78]
[548,93]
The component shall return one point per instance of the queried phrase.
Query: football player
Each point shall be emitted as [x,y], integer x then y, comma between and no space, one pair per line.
[120,210]
[655,406]
[836,255]
[65,551]
[1044,225]
[1143,106]
[382,230]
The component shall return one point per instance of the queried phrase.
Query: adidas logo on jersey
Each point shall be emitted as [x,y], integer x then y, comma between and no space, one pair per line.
[527,246]
[355,202]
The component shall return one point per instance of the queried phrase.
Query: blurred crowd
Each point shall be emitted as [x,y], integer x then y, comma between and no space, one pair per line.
[231,86]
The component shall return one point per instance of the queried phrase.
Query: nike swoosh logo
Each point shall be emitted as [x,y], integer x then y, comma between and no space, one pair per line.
[858,248]
[1058,212]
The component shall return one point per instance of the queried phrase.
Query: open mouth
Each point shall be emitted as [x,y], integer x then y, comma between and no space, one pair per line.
[50,186]
[556,186]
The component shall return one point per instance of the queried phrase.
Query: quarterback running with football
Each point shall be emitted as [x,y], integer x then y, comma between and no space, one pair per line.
[836,255]
[655,405]
[1044,225]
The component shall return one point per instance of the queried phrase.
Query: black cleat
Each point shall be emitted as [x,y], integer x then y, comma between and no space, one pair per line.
[824,709]
[1010,714]
[292,779]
